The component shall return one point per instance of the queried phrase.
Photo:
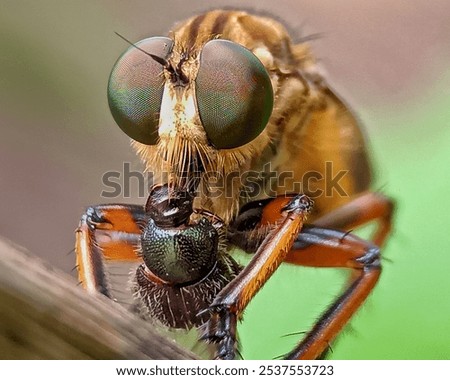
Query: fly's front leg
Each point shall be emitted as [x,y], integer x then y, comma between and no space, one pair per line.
[232,300]
[322,246]
[106,232]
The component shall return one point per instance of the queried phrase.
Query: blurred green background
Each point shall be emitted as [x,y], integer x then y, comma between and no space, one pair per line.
[390,61]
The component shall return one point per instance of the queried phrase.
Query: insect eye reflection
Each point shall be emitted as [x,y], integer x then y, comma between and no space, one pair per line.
[234,94]
[233,90]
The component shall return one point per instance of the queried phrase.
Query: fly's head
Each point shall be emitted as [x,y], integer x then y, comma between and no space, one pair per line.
[192,103]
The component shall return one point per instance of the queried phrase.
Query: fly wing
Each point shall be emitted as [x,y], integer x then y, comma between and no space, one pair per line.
[119,272]
[116,243]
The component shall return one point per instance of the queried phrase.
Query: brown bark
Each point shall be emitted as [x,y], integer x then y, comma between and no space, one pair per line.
[44,315]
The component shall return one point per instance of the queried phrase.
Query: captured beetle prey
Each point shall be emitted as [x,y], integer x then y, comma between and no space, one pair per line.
[248,147]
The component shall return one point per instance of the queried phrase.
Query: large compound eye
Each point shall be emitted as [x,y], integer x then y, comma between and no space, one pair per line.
[234,94]
[135,89]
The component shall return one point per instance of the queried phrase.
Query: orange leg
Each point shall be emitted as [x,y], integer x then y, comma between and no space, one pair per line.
[359,211]
[322,247]
[232,300]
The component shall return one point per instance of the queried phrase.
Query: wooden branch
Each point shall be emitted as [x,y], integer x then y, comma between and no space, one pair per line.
[44,315]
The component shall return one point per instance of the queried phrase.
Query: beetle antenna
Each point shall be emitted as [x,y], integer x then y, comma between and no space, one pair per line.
[160,60]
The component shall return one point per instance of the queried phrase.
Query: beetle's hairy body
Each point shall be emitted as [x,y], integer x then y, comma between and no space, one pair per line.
[309,125]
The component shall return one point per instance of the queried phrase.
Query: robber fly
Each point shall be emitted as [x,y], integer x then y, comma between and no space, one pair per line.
[238,127]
